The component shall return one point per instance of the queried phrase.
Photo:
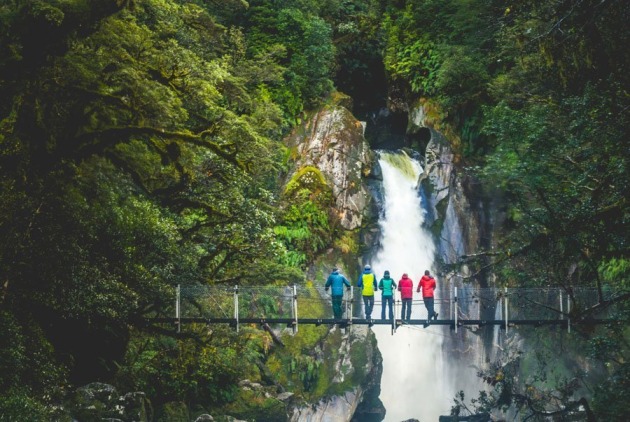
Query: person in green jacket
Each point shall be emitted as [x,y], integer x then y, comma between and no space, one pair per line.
[387,285]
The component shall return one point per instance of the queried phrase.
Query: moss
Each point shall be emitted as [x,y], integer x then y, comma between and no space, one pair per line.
[436,118]
[253,405]
[340,99]
[295,365]
[359,359]
[308,177]
[310,303]
[173,412]
[348,243]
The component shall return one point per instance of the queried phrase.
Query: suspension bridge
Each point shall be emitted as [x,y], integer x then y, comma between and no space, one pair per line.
[458,307]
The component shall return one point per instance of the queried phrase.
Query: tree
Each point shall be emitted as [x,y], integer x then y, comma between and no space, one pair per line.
[134,158]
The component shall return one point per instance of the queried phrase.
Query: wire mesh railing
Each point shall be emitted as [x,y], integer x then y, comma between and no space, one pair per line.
[311,302]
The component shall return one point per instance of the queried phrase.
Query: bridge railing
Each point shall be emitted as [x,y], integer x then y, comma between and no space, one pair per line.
[310,301]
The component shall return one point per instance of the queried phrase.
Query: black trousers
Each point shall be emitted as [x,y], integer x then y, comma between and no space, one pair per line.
[429,303]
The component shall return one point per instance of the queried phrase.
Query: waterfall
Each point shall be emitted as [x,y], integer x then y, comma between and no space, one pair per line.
[414,383]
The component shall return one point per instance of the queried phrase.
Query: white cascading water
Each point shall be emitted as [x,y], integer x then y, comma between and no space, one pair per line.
[413,384]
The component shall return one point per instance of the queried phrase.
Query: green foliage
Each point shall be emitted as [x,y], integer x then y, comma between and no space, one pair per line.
[560,182]
[297,365]
[204,370]
[608,400]
[307,40]
[616,271]
[135,155]
[461,78]
[417,63]
[20,407]
[306,369]
[30,356]
[307,227]
[173,412]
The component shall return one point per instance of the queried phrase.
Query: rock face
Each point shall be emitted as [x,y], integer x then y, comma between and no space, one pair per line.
[358,373]
[461,217]
[333,142]
[337,408]
[463,220]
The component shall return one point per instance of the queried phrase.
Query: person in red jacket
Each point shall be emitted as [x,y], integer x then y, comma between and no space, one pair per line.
[427,284]
[405,287]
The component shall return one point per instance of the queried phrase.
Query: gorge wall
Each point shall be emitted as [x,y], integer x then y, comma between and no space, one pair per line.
[464,221]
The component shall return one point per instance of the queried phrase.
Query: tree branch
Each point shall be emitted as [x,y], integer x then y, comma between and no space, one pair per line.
[96,142]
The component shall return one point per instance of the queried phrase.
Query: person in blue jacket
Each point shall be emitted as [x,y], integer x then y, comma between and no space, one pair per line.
[367,284]
[336,281]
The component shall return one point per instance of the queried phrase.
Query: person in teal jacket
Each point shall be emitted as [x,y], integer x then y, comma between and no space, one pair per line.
[336,281]
[387,285]
[367,284]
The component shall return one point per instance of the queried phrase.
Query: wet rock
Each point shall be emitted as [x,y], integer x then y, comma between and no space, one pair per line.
[285,396]
[332,141]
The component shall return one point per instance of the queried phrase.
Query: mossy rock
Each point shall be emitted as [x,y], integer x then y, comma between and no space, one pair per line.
[340,99]
[253,405]
[307,177]
[93,401]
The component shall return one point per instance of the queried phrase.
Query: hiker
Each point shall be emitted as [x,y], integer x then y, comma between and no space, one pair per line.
[427,285]
[367,284]
[336,281]
[405,287]
[387,285]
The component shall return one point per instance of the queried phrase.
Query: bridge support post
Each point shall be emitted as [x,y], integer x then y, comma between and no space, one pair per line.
[178,315]
[349,308]
[394,312]
[505,305]
[450,308]
[295,310]
[236,306]
[561,300]
[455,307]
[350,302]
[569,313]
